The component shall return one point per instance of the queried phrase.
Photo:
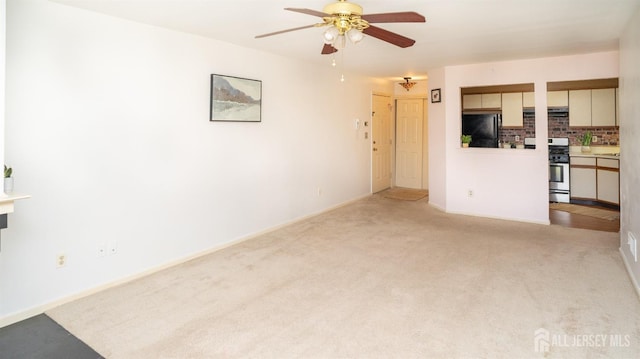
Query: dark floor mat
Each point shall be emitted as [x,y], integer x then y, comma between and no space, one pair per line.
[41,337]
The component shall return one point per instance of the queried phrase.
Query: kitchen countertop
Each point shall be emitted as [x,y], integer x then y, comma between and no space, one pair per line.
[612,152]
[598,155]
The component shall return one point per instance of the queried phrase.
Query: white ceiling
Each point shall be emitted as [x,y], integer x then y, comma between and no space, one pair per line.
[456,31]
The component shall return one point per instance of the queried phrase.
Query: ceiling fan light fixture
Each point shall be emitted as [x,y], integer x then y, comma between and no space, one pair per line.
[343,7]
[407,85]
[344,19]
[330,35]
[355,35]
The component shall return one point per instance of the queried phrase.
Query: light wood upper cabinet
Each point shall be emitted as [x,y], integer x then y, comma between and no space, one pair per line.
[603,107]
[509,102]
[491,100]
[512,109]
[472,101]
[557,99]
[617,107]
[595,107]
[580,108]
[528,99]
[478,101]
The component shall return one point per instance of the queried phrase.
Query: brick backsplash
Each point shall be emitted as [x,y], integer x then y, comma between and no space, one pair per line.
[528,130]
[559,127]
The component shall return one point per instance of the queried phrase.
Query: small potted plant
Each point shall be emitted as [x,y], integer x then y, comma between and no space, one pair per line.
[585,141]
[466,140]
[8,180]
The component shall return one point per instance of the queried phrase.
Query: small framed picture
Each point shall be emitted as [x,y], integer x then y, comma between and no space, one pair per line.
[435,95]
[235,99]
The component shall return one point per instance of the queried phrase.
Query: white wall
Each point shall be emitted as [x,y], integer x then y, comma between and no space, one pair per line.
[510,184]
[437,134]
[629,134]
[107,128]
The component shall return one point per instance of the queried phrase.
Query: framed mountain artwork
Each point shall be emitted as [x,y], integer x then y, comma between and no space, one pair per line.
[235,99]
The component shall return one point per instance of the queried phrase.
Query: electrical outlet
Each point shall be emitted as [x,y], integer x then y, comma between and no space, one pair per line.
[470,193]
[112,247]
[594,139]
[61,260]
[517,138]
[102,250]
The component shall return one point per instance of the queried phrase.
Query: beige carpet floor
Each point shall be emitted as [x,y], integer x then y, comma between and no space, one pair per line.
[590,211]
[405,194]
[378,278]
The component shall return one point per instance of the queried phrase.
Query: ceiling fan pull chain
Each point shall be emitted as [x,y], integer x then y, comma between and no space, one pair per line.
[342,65]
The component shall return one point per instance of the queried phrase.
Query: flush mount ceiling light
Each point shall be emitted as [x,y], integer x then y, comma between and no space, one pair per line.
[345,19]
[407,85]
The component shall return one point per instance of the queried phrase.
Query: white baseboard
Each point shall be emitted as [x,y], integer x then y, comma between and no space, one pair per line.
[632,277]
[438,207]
[39,309]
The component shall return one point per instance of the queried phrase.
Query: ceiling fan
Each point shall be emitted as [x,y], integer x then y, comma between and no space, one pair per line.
[345,19]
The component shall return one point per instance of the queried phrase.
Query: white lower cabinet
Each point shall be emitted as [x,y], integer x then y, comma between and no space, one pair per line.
[583,178]
[608,180]
[583,183]
[595,179]
[608,186]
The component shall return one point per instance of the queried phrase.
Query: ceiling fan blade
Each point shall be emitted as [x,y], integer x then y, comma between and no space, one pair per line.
[328,49]
[307,11]
[406,16]
[388,36]
[283,31]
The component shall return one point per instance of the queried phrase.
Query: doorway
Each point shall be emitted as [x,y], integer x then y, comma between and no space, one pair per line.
[409,143]
[381,143]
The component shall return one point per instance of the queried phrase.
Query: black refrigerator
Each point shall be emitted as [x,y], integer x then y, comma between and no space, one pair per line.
[484,129]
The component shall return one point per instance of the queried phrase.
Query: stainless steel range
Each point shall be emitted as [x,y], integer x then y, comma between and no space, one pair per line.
[559,189]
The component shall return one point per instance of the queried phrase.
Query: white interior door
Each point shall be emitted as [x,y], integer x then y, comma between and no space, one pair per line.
[409,119]
[381,143]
